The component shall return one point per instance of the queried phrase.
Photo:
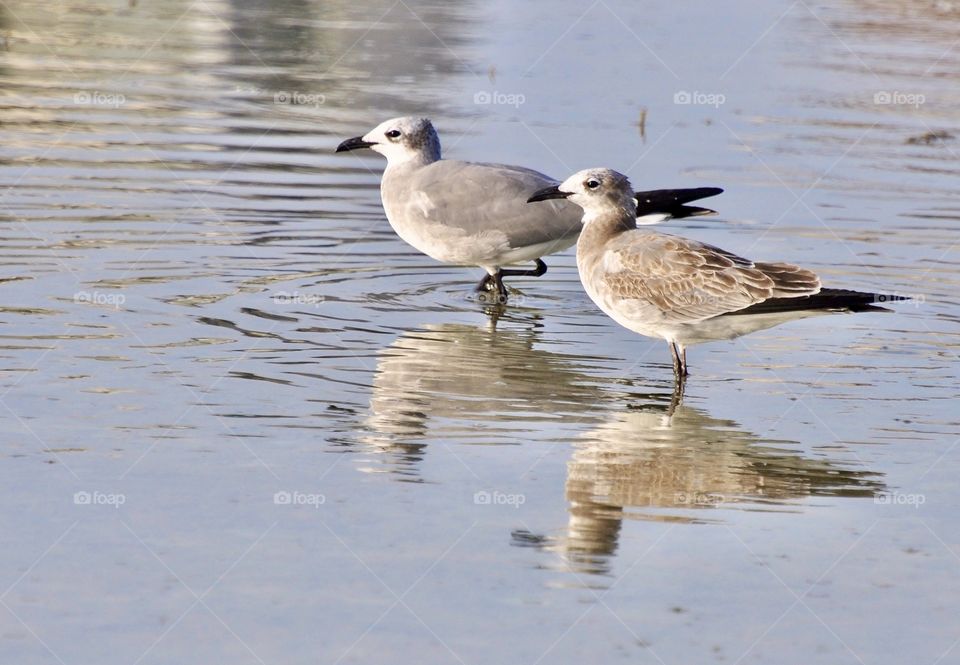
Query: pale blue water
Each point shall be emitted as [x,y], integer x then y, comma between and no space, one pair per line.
[245,423]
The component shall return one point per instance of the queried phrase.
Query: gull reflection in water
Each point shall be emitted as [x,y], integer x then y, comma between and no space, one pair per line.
[675,463]
[461,383]
[642,456]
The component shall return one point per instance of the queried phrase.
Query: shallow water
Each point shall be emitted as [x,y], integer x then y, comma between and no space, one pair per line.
[245,423]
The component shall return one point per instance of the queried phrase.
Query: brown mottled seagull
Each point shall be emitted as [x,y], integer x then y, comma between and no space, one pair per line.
[474,214]
[681,290]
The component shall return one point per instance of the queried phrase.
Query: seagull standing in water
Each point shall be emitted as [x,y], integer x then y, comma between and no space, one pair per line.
[681,290]
[473,214]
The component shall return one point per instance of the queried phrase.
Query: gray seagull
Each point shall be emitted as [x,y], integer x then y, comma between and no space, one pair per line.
[474,214]
[681,290]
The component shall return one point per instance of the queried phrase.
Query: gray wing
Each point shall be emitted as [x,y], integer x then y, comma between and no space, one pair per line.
[480,198]
[683,281]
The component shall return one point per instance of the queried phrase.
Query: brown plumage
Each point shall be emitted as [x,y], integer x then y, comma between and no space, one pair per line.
[681,290]
[686,281]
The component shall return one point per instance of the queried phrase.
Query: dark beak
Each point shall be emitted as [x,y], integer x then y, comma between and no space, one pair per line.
[548,193]
[355,143]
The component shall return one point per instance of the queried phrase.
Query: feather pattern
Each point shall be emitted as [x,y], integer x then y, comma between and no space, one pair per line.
[676,280]
[680,290]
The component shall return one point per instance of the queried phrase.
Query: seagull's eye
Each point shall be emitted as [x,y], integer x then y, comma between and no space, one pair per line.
[592,183]
[393,134]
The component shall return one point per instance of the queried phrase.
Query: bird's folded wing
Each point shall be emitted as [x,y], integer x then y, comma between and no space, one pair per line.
[682,281]
[484,198]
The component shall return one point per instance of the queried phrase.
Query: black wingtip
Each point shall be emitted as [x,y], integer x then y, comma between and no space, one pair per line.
[673,201]
[677,196]
[828,299]
[691,211]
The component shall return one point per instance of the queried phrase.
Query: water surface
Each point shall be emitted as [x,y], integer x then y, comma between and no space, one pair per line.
[245,423]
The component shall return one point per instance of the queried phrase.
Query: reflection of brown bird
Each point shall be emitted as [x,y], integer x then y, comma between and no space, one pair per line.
[661,460]
[645,459]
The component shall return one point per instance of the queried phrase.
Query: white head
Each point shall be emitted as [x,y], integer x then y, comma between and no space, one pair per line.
[597,191]
[400,140]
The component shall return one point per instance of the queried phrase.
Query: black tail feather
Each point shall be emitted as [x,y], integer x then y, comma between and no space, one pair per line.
[836,299]
[671,201]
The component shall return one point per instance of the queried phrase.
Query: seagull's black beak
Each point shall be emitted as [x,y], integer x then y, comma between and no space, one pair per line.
[355,143]
[548,193]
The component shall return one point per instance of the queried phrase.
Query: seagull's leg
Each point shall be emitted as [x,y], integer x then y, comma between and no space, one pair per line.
[511,272]
[497,279]
[679,353]
[491,288]
[678,368]
[541,269]
[484,284]
[502,294]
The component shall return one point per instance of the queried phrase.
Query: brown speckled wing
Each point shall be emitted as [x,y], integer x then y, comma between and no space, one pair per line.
[790,280]
[687,281]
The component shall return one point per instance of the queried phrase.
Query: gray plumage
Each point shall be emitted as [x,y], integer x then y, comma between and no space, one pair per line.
[476,214]
[466,213]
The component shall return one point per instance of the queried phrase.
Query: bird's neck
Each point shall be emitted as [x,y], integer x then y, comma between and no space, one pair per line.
[412,161]
[608,222]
